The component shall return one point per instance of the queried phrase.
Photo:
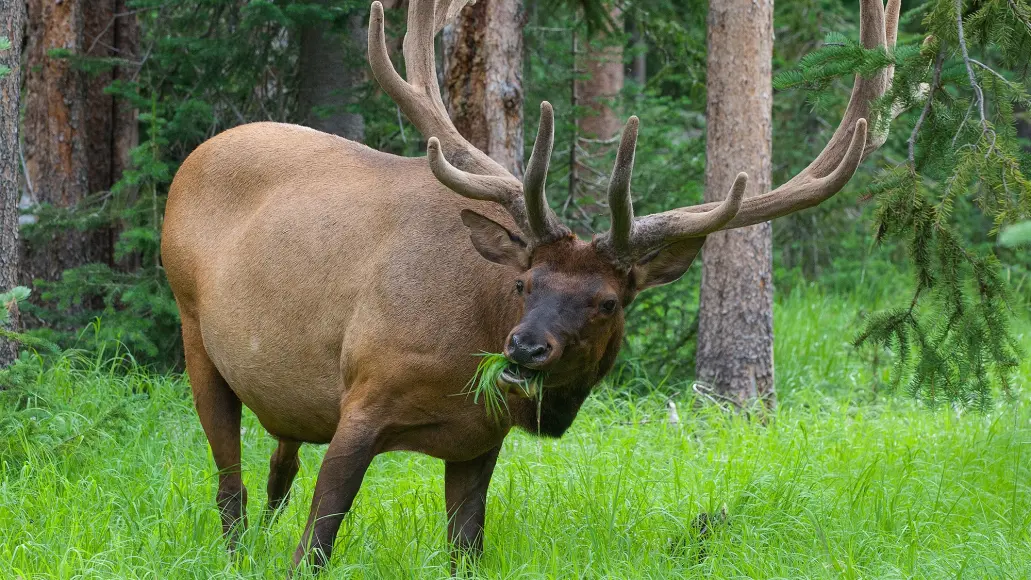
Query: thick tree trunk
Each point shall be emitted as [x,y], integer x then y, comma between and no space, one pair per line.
[735,333]
[483,78]
[12,22]
[54,131]
[77,139]
[332,70]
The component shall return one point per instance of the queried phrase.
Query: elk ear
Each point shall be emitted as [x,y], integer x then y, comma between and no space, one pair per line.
[494,242]
[666,264]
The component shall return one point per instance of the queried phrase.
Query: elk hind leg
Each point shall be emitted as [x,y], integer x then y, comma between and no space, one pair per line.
[282,470]
[219,410]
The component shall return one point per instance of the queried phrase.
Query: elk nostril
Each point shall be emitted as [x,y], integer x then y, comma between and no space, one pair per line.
[539,351]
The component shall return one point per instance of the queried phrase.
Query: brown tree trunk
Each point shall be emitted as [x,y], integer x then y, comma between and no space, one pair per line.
[12,22]
[599,82]
[483,78]
[735,332]
[332,71]
[77,138]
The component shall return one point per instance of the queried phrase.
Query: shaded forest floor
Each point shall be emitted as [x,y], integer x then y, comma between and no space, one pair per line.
[106,474]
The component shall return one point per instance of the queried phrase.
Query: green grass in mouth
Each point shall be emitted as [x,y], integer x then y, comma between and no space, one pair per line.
[484,385]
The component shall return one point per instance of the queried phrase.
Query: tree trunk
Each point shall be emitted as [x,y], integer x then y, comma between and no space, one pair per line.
[735,331]
[332,70]
[77,138]
[483,78]
[599,88]
[599,82]
[12,22]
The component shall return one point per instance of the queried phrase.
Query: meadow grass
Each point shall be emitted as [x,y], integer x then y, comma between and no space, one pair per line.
[106,474]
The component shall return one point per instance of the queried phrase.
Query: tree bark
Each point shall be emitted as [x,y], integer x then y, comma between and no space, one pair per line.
[12,22]
[735,331]
[483,78]
[332,70]
[77,138]
[599,78]
[599,89]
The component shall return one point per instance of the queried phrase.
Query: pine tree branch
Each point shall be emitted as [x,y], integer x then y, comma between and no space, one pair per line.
[935,85]
[1017,14]
[962,124]
[986,128]
[989,69]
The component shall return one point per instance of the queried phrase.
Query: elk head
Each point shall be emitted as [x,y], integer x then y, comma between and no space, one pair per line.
[574,292]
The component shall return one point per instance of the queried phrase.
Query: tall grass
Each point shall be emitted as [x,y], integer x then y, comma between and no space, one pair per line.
[105,473]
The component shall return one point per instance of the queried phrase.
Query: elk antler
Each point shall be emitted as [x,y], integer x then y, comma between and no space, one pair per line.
[629,239]
[454,161]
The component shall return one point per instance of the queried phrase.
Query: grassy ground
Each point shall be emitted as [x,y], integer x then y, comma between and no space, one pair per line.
[106,474]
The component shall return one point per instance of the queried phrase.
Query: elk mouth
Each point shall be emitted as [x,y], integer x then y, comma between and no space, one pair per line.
[525,380]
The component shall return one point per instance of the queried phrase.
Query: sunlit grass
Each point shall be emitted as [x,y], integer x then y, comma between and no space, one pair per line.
[106,474]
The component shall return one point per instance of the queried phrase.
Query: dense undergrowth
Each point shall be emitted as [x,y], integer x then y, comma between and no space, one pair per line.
[105,473]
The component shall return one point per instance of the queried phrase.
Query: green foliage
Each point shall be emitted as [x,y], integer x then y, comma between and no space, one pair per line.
[10,303]
[963,177]
[5,44]
[1016,235]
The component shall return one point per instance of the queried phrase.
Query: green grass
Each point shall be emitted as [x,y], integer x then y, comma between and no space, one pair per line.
[106,474]
[484,385]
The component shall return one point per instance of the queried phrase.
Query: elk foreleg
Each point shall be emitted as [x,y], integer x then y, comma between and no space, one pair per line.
[343,468]
[465,496]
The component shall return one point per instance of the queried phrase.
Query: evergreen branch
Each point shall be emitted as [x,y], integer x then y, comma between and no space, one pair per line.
[986,128]
[935,85]
[962,124]
[1019,16]
[990,69]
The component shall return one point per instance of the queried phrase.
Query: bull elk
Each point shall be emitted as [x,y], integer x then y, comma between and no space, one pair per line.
[340,293]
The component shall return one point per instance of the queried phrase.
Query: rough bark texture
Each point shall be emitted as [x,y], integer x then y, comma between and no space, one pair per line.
[12,22]
[735,333]
[332,69]
[77,139]
[599,88]
[483,79]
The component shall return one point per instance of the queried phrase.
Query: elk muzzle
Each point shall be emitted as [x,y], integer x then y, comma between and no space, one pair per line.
[531,348]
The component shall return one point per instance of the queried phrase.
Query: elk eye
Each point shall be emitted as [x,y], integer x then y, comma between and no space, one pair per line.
[609,306]
[519,286]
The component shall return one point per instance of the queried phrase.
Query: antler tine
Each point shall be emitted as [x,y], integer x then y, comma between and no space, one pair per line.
[543,222]
[847,147]
[505,191]
[419,97]
[630,239]
[470,172]
[499,189]
[621,206]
